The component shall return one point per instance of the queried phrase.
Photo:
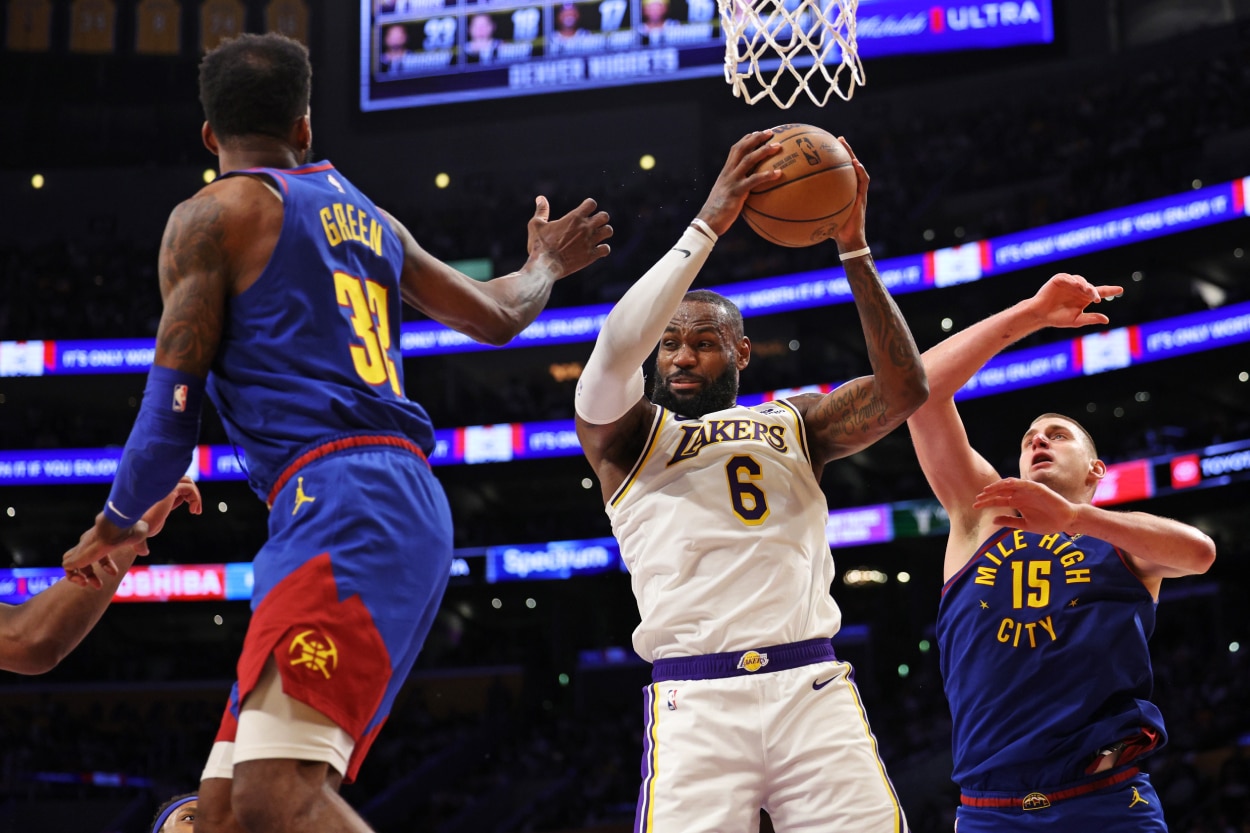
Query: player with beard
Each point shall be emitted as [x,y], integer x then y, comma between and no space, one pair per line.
[1047,603]
[721,521]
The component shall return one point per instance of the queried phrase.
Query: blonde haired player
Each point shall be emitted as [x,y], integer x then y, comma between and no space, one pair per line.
[721,521]
[1048,603]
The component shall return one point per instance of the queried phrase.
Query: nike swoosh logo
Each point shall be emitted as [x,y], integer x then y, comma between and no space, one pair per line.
[684,252]
[119,514]
[817,685]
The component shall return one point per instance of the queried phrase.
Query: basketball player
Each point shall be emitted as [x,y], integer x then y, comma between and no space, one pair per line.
[721,522]
[1047,604]
[177,815]
[40,632]
[282,286]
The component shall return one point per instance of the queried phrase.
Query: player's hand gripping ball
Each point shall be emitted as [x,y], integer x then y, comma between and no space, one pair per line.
[816,188]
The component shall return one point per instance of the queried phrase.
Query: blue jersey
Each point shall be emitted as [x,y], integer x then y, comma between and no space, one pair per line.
[1044,659]
[311,349]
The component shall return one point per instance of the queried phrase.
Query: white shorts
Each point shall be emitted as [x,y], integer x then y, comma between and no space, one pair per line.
[794,742]
[273,725]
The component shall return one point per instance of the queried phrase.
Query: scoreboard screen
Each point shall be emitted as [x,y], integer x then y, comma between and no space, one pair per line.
[422,52]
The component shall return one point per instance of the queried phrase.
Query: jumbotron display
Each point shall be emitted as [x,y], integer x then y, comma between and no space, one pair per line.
[422,52]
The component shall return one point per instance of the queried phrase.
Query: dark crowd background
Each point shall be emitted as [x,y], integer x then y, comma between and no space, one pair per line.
[524,711]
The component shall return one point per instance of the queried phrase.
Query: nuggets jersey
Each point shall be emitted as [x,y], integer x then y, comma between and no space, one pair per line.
[311,349]
[722,523]
[1044,658]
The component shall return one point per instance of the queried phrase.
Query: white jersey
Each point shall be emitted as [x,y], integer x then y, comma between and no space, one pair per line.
[722,523]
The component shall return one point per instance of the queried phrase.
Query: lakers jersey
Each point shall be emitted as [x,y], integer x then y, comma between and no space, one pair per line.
[722,523]
[1044,658]
[311,349]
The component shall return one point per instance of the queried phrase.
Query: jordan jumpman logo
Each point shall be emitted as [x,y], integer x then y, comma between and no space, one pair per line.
[1137,799]
[300,497]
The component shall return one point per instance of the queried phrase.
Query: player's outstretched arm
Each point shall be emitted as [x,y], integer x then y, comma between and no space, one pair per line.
[196,271]
[1157,547]
[36,635]
[862,411]
[495,311]
[1060,303]
[612,413]
[956,472]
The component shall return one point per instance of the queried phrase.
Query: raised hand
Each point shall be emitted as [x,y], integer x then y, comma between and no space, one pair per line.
[1033,507]
[737,179]
[571,242]
[1062,300]
[97,546]
[850,234]
[185,492]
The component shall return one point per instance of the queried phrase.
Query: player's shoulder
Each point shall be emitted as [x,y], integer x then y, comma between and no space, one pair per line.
[226,217]
[796,405]
[228,202]
[242,190]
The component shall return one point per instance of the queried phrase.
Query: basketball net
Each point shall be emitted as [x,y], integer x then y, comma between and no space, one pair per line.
[781,48]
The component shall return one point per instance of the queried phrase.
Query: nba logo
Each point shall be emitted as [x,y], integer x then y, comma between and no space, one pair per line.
[672,699]
[180,398]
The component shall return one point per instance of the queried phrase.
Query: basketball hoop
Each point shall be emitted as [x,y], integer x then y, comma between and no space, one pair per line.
[781,48]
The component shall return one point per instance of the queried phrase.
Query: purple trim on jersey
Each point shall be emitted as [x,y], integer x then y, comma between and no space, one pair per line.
[736,663]
[642,814]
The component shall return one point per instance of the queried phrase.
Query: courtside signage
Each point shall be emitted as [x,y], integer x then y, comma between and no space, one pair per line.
[973,261]
[553,560]
[476,444]
[1132,480]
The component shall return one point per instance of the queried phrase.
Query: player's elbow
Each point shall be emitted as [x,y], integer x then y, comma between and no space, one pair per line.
[490,331]
[497,338]
[1203,554]
[497,330]
[30,656]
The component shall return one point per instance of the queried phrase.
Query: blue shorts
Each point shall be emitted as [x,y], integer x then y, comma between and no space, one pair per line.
[348,584]
[1130,806]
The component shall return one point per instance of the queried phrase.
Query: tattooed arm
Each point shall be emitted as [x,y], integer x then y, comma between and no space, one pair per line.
[864,410]
[206,239]
[195,282]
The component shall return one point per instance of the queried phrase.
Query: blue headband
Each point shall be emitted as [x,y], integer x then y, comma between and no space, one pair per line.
[169,811]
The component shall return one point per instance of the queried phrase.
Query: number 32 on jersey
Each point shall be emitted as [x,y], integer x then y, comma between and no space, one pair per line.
[370,319]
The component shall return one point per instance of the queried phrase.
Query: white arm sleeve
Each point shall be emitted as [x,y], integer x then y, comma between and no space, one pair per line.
[612,382]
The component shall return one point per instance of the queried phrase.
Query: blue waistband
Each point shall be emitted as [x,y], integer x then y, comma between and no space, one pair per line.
[743,663]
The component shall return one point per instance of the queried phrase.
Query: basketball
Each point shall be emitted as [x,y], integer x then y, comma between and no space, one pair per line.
[816,189]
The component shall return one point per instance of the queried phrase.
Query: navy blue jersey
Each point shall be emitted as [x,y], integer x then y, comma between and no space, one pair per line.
[311,349]
[1044,659]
